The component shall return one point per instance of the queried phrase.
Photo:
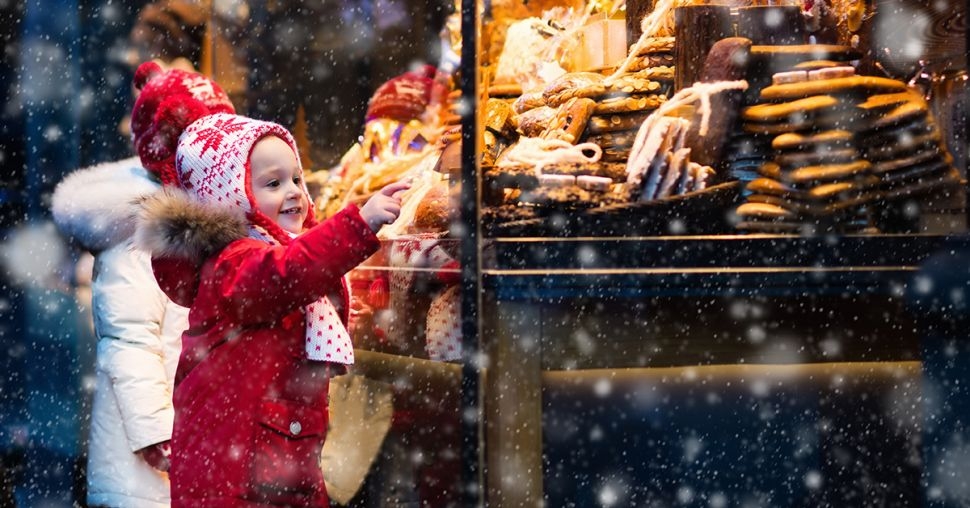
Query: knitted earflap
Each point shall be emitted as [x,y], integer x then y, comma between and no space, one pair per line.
[167,103]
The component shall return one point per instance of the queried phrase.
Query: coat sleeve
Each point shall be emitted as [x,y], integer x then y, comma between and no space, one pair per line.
[129,310]
[261,283]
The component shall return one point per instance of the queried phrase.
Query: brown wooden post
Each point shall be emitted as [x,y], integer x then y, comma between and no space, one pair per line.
[697,28]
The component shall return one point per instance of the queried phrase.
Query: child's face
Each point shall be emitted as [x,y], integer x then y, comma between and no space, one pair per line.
[277,183]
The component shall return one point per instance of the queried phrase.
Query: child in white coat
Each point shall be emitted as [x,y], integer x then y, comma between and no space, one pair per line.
[137,326]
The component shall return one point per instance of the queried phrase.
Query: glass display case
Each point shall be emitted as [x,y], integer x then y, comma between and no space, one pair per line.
[739,281]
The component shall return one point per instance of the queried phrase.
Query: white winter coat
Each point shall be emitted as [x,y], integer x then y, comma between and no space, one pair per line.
[139,334]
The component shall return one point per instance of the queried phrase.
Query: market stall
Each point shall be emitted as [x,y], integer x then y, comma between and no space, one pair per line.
[670,256]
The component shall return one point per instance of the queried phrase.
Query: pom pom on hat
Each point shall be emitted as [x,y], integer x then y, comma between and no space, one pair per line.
[167,103]
[404,97]
[145,71]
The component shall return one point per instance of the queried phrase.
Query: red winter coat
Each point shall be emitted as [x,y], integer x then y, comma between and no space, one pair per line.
[250,409]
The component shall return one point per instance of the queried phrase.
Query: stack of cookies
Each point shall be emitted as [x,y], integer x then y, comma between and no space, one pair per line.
[616,121]
[843,148]
[655,60]
[904,145]
[746,152]
[817,179]
[618,114]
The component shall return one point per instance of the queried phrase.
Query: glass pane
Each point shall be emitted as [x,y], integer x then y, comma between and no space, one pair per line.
[723,118]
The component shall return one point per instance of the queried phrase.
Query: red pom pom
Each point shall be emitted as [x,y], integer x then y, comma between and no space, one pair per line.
[157,144]
[177,112]
[144,73]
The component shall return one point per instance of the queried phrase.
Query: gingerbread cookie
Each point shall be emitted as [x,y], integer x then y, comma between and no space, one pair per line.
[814,208]
[826,172]
[852,85]
[499,117]
[574,84]
[535,120]
[904,113]
[505,90]
[727,60]
[797,53]
[570,120]
[599,124]
[529,100]
[652,61]
[836,138]
[663,74]
[924,183]
[881,102]
[783,111]
[629,104]
[921,157]
[764,211]
[770,169]
[877,138]
[902,145]
[657,45]
[794,160]
[630,84]
[812,65]
[824,192]
[617,153]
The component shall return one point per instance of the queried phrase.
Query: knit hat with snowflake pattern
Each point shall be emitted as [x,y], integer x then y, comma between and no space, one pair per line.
[212,163]
[167,103]
[403,98]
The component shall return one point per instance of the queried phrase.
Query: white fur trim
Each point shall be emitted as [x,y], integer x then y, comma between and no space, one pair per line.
[96,206]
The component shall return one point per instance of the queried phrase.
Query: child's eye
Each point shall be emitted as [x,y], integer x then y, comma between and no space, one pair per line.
[273,183]
[297,179]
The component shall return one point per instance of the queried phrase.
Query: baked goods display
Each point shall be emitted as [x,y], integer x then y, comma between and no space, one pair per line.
[844,149]
[785,135]
[789,139]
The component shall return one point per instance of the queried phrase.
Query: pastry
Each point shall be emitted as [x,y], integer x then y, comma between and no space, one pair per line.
[855,85]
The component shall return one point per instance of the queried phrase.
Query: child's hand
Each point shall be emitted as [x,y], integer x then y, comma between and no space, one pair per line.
[384,207]
[157,455]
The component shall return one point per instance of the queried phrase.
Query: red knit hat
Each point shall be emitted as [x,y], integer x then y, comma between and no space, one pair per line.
[168,103]
[404,97]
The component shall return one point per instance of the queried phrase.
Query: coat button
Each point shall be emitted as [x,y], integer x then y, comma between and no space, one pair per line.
[295,428]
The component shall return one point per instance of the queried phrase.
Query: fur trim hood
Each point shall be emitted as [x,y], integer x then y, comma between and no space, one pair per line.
[173,224]
[96,206]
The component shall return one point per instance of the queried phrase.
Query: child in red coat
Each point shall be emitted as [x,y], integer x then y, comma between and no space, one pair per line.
[265,284]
